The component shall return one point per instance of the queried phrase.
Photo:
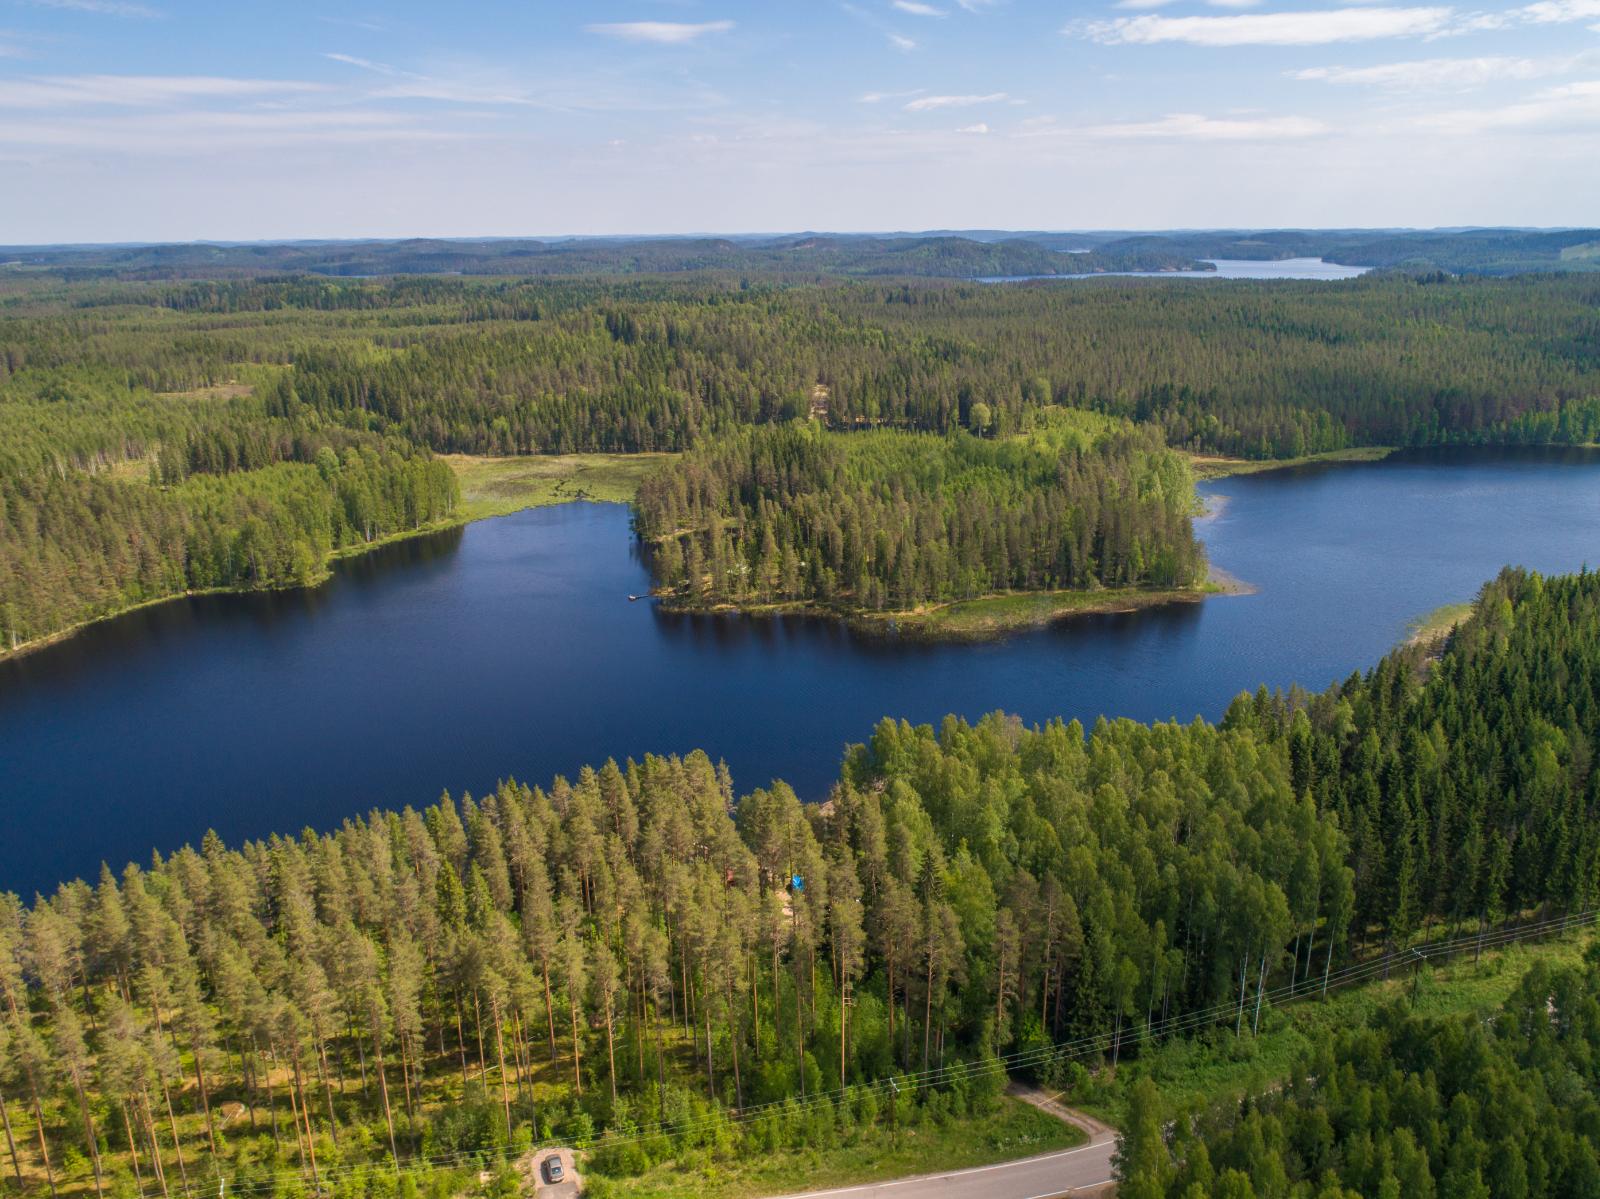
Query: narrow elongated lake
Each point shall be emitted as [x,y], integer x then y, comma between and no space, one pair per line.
[510,648]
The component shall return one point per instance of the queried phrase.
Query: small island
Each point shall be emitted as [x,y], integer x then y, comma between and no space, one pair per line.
[960,535]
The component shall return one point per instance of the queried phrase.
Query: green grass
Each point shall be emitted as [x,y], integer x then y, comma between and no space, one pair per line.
[1014,1130]
[992,615]
[1208,466]
[1436,625]
[1217,1065]
[497,486]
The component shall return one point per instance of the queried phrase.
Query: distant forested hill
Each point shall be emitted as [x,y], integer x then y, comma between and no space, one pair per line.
[941,255]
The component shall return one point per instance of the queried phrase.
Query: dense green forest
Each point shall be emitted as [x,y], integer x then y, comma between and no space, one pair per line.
[636,955]
[1415,1107]
[117,397]
[1259,369]
[77,546]
[893,520]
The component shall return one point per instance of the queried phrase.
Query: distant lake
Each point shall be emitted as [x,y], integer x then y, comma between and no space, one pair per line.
[1227,268]
[510,648]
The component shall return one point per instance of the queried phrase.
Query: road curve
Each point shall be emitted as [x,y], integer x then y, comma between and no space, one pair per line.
[1043,1176]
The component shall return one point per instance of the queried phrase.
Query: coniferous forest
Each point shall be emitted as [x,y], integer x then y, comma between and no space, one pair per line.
[170,436]
[1408,1106]
[892,520]
[636,957]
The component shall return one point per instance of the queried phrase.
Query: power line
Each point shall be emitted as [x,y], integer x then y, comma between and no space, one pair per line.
[1293,992]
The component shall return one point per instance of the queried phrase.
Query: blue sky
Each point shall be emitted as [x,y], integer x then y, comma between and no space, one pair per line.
[182,119]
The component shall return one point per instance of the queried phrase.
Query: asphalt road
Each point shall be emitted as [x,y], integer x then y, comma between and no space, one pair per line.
[1063,1172]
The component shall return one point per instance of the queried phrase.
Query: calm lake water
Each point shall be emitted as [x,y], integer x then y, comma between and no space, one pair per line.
[510,648]
[1227,268]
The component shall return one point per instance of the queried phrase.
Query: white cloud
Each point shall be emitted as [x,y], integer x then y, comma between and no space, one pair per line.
[1439,74]
[898,41]
[1189,126]
[136,91]
[1274,29]
[929,103]
[1547,12]
[214,132]
[879,97]
[662,33]
[366,64]
[1571,106]
[917,9]
[980,127]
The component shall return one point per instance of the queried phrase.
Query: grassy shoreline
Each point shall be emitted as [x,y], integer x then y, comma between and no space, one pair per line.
[1432,628]
[1217,466]
[490,487]
[986,616]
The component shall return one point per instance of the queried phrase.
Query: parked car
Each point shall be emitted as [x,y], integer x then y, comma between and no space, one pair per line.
[552,1170]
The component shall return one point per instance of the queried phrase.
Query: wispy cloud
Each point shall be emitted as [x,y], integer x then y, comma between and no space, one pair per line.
[1189,126]
[661,33]
[216,132]
[109,8]
[929,103]
[1446,74]
[917,9]
[1359,22]
[1548,12]
[137,91]
[1571,106]
[1314,28]
[980,127]
[366,64]
[594,91]
[879,97]
[896,40]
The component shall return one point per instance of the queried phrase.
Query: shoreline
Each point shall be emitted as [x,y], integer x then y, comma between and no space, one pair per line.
[491,486]
[341,554]
[1218,466]
[983,617]
[1432,629]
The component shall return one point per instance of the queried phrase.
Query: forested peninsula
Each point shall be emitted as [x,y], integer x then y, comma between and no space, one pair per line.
[167,437]
[640,961]
[889,523]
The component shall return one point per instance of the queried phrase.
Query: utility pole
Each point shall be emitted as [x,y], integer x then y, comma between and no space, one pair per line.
[894,1115]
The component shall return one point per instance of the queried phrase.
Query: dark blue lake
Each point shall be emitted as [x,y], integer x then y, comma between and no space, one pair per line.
[510,648]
